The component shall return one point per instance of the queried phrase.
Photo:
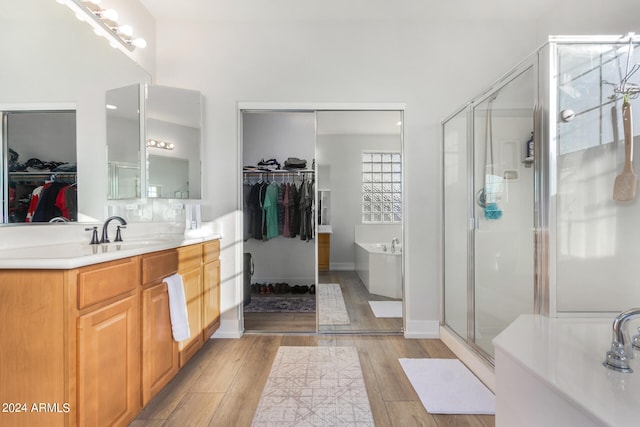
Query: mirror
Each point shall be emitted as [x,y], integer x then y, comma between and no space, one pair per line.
[163,123]
[123,147]
[41,166]
[79,69]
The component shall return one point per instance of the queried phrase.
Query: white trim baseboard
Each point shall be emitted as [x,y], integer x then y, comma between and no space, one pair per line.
[228,329]
[428,329]
[342,266]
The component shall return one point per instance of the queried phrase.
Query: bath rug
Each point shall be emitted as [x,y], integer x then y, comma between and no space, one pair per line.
[273,304]
[331,307]
[386,308]
[314,386]
[446,386]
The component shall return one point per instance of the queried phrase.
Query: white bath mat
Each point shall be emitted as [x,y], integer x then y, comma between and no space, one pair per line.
[314,386]
[446,386]
[330,305]
[386,308]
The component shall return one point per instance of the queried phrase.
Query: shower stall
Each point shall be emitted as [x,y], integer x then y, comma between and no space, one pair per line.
[529,169]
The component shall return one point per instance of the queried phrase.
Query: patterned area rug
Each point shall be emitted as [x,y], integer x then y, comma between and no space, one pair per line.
[279,304]
[314,386]
[331,308]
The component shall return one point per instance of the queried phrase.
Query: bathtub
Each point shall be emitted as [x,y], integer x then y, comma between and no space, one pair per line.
[380,269]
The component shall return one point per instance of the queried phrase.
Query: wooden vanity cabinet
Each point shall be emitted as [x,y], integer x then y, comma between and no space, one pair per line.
[90,346]
[108,343]
[160,361]
[211,285]
[190,268]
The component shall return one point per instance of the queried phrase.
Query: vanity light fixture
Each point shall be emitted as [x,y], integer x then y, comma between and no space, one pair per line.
[154,143]
[105,23]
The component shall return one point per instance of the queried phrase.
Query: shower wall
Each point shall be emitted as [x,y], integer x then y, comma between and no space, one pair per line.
[597,240]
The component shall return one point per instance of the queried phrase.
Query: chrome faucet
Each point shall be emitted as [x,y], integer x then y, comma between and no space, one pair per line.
[621,346]
[393,244]
[105,235]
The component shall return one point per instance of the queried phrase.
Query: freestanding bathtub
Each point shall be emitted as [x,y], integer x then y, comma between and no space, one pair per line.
[379,268]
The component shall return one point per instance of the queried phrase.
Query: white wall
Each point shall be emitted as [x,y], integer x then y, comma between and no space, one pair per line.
[342,154]
[407,53]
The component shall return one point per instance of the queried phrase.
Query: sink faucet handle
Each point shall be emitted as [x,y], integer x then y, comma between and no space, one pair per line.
[118,234]
[94,235]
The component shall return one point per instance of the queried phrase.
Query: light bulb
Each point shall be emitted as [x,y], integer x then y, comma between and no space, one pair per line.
[114,44]
[170,146]
[80,17]
[126,30]
[98,32]
[161,144]
[110,14]
[139,42]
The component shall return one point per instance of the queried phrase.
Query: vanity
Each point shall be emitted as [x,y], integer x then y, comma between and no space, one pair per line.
[86,334]
[549,373]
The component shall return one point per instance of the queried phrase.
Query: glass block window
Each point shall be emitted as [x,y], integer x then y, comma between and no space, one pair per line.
[381,187]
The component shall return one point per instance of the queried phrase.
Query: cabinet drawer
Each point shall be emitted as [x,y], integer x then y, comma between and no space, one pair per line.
[189,256]
[102,281]
[158,265]
[211,250]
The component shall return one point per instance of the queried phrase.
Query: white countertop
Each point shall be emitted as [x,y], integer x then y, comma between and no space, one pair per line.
[567,355]
[72,255]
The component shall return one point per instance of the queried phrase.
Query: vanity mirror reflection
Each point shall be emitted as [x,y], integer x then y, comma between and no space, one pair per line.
[39,166]
[154,142]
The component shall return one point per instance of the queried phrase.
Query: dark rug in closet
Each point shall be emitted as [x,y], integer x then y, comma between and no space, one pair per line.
[281,304]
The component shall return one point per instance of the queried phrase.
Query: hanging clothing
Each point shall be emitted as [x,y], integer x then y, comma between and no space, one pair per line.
[285,204]
[247,211]
[256,212]
[281,191]
[294,213]
[306,211]
[270,208]
[47,208]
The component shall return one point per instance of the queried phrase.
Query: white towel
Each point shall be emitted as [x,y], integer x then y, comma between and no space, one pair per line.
[177,308]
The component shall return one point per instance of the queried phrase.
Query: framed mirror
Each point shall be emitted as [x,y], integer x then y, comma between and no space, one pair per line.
[154,138]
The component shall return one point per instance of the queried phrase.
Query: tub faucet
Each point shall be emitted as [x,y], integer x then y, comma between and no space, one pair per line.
[393,244]
[105,234]
[621,347]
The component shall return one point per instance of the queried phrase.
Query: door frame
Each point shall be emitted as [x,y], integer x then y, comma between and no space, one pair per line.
[313,107]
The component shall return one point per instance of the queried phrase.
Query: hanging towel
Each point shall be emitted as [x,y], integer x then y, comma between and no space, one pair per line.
[177,308]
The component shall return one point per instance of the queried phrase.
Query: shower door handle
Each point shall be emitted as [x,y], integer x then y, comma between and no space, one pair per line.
[474,223]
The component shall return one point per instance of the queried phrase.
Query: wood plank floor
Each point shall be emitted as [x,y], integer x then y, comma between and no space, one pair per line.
[356,299]
[221,385]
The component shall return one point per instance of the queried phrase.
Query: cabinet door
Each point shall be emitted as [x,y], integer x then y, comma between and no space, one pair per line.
[324,251]
[109,364]
[159,350]
[211,313]
[193,294]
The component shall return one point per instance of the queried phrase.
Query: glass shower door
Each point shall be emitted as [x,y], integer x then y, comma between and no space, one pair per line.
[503,213]
[456,222]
